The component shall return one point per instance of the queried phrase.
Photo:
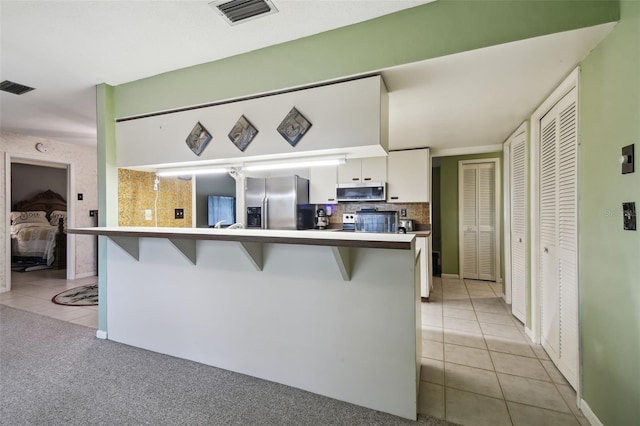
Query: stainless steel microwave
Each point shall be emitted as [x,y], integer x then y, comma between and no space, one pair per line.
[368,191]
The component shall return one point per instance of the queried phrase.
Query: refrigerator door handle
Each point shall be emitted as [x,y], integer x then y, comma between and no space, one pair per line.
[265,212]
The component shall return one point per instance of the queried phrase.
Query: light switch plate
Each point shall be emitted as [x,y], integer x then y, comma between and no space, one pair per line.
[629,216]
[147,214]
[627,159]
[179,213]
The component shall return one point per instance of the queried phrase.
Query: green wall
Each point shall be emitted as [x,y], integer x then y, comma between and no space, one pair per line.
[449,209]
[427,31]
[436,220]
[107,188]
[609,257]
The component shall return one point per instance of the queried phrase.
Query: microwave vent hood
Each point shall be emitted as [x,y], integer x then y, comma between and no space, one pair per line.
[367,191]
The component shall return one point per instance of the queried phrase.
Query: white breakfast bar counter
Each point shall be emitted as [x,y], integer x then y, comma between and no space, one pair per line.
[334,313]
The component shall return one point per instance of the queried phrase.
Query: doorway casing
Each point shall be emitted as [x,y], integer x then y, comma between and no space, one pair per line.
[37,161]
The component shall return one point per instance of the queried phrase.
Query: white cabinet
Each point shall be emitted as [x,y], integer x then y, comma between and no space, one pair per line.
[322,185]
[408,176]
[360,170]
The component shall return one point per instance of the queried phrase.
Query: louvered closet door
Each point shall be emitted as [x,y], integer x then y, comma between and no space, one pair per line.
[518,209]
[558,235]
[478,221]
[486,222]
[470,221]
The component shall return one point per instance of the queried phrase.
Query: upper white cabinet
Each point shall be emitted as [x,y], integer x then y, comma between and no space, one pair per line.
[362,170]
[408,176]
[322,185]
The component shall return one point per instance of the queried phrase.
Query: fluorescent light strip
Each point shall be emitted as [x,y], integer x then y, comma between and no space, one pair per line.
[293,164]
[194,171]
[259,165]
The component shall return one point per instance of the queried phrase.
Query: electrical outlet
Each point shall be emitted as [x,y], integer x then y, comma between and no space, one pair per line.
[147,214]
[629,216]
[80,196]
[179,214]
[403,212]
[93,213]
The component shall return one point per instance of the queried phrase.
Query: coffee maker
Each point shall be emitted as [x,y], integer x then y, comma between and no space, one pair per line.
[322,221]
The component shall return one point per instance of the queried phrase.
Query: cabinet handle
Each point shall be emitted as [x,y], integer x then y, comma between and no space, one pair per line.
[367,178]
[331,199]
[546,250]
[393,198]
[355,178]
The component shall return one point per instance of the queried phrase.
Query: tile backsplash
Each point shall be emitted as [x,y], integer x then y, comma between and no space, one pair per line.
[136,194]
[419,212]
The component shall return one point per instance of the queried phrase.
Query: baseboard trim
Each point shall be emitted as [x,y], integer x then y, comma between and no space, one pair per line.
[588,414]
[450,276]
[529,333]
[85,275]
[101,334]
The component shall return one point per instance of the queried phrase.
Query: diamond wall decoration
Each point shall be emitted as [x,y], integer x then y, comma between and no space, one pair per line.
[242,133]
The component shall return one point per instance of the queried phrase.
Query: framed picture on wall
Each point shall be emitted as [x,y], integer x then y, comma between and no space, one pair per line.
[198,139]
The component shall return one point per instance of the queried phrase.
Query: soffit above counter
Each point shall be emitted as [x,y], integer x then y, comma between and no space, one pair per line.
[347,118]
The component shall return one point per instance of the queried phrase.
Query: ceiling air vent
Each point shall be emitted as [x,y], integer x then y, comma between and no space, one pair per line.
[238,11]
[15,88]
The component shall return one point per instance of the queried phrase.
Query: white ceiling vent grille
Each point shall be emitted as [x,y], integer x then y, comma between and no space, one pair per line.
[15,88]
[239,11]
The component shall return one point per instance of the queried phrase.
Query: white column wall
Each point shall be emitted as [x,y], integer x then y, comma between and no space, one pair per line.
[297,322]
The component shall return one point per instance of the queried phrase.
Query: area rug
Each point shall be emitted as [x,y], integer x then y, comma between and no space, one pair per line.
[28,266]
[87,295]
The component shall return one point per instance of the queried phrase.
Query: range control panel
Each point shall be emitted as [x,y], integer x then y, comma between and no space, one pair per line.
[349,218]
[348,221]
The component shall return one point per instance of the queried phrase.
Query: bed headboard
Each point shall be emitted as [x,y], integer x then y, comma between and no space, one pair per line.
[47,201]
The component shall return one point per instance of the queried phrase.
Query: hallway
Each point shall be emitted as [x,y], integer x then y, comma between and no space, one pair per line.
[479,368]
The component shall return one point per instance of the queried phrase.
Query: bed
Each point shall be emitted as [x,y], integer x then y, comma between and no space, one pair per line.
[38,233]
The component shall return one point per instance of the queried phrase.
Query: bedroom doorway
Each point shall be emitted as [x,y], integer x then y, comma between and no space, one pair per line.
[25,178]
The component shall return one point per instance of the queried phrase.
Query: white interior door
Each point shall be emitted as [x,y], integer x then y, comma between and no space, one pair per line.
[518,224]
[469,211]
[486,222]
[478,221]
[558,235]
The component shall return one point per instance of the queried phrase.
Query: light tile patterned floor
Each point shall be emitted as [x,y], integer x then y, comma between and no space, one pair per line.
[33,291]
[478,366]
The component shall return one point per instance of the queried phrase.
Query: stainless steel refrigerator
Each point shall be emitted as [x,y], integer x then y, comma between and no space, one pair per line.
[278,203]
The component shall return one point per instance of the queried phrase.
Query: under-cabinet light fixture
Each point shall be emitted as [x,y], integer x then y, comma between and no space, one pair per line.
[290,163]
[297,163]
[192,171]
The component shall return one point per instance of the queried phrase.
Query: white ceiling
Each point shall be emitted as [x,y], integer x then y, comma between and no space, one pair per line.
[65,48]
[476,99]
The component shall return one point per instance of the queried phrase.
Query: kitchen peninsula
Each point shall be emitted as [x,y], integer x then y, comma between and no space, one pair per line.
[334,313]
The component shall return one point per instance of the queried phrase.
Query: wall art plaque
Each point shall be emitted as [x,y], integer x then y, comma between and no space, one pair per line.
[198,139]
[242,133]
[294,127]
